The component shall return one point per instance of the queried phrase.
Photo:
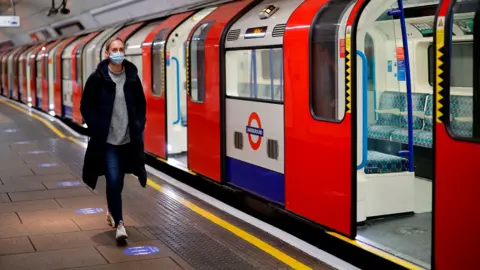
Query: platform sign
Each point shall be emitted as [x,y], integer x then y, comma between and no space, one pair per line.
[47,165]
[426,29]
[68,183]
[88,211]
[9,21]
[141,250]
[401,71]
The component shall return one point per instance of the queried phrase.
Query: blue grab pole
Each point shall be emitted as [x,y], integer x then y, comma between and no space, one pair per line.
[251,75]
[409,86]
[178,90]
[364,110]
[255,85]
[271,74]
[281,77]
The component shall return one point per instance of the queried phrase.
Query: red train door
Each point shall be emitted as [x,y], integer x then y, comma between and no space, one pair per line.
[58,85]
[77,81]
[33,74]
[457,135]
[16,73]
[45,95]
[203,86]
[153,61]
[319,117]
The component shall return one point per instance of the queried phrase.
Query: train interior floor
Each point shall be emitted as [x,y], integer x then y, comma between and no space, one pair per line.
[410,236]
[50,220]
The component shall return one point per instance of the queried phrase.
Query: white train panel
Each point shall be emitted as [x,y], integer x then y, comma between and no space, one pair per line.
[261,128]
[253,29]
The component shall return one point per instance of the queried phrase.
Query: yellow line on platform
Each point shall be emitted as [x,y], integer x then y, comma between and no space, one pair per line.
[45,122]
[376,251]
[279,255]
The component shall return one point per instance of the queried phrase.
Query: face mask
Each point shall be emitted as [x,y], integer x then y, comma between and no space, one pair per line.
[117,58]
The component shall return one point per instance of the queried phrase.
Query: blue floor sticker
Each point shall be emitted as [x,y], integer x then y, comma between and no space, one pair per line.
[36,152]
[141,250]
[68,183]
[22,142]
[47,165]
[89,211]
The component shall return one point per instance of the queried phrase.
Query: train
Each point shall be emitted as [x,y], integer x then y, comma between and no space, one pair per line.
[362,117]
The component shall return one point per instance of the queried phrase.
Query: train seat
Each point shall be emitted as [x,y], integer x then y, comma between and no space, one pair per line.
[384,163]
[462,115]
[389,117]
[422,122]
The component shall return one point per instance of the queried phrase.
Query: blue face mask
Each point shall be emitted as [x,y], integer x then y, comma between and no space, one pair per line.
[117,58]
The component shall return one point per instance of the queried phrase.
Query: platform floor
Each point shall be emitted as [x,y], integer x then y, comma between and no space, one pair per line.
[50,220]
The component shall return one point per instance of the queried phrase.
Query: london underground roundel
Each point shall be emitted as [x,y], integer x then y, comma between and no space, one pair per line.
[254,130]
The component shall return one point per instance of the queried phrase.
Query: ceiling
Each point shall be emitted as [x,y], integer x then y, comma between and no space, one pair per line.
[33,13]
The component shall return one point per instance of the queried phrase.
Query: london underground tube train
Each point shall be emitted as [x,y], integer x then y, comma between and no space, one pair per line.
[362,117]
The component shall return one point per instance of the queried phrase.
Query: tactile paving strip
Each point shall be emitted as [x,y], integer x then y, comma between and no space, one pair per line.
[201,243]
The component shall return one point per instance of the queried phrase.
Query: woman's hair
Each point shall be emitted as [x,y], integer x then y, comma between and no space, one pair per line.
[110,41]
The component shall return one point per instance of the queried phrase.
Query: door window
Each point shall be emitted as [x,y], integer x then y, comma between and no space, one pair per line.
[158,62]
[196,73]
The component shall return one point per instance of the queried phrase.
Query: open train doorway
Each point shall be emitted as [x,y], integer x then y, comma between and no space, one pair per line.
[176,63]
[395,127]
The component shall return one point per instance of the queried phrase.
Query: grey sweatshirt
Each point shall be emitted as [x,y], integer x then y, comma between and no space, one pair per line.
[119,133]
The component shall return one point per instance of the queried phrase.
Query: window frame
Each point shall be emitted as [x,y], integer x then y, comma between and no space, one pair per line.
[446,76]
[164,34]
[79,64]
[251,48]
[45,66]
[38,69]
[318,18]
[69,60]
[200,84]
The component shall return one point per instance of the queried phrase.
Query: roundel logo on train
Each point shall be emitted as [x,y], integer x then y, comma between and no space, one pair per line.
[254,130]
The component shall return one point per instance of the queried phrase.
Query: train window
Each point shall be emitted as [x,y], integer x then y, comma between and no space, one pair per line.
[45,66]
[158,68]
[197,63]
[67,69]
[326,98]
[39,68]
[79,70]
[461,57]
[252,74]
[270,67]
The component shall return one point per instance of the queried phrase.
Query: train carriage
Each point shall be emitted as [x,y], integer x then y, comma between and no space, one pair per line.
[23,77]
[5,73]
[32,75]
[154,61]
[79,75]
[46,98]
[12,82]
[61,77]
[203,88]
[175,82]
[17,73]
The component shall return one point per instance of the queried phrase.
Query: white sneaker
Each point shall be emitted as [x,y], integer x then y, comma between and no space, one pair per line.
[110,220]
[121,232]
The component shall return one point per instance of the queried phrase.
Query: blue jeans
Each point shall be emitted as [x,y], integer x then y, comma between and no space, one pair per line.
[115,160]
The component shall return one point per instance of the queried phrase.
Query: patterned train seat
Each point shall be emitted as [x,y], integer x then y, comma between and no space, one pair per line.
[421,137]
[389,118]
[384,163]
[461,109]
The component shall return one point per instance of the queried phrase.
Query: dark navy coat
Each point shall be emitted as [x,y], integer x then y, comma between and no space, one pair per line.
[97,106]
